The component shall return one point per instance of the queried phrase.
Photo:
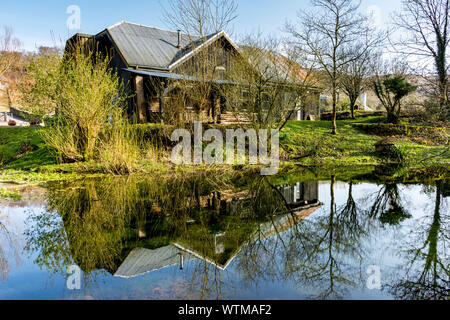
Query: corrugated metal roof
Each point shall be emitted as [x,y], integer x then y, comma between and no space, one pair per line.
[150,47]
[142,260]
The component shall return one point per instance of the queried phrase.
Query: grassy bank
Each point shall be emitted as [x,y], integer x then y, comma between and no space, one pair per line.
[25,158]
[310,143]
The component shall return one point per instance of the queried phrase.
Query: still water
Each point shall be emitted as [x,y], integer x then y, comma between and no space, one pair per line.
[219,238]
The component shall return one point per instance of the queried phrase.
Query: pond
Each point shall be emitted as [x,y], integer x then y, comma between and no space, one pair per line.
[216,237]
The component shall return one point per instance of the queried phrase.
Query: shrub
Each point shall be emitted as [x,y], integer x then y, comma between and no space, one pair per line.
[391,151]
[34,122]
[38,89]
[156,134]
[87,94]
[119,147]
[398,153]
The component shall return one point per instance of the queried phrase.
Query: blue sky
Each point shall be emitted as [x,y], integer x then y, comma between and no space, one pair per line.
[34,22]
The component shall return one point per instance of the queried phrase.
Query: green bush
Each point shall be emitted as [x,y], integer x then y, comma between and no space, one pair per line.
[398,153]
[391,151]
[119,147]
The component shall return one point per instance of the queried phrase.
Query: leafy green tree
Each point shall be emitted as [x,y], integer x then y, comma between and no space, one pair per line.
[391,90]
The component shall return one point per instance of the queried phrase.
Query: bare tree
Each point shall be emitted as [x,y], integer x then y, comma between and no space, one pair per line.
[197,91]
[8,47]
[354,78]
[199,17]
[426,36]
[326,32]
[268,87]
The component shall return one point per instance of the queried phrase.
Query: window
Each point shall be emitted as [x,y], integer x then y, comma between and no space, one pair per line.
[220,71]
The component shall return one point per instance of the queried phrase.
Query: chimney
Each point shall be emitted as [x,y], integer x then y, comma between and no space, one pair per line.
[179,44]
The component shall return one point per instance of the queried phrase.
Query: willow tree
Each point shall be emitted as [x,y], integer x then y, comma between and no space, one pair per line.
[83,92]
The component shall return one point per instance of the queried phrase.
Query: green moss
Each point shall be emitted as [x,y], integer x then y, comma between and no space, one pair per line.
[347,147]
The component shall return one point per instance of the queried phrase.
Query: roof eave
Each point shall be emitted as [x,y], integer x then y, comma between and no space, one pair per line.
[204,44]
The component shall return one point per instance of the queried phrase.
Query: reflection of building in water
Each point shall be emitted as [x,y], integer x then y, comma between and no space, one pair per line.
[301,193]
[141,260]
[219,242]
[222,242]
[149,232]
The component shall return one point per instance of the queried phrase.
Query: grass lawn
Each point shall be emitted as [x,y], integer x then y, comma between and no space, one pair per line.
[23,148]
[351,146]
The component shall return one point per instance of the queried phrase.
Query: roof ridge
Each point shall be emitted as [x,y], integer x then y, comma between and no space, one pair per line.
[158,28]
[145,26]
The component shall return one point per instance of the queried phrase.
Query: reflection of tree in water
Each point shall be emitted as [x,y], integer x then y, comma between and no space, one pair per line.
[96,224]
[319,252]
[9,246]
[258,259]
[259,202]
[387,206]
[428,271]
[83,225]
[335,249]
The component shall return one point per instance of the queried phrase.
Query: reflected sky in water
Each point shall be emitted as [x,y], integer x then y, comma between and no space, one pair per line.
[252,238]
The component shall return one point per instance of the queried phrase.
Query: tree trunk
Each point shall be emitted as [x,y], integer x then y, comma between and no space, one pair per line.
[440,61]
[352,107]
[334,131]
[392,117]
[333,202]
